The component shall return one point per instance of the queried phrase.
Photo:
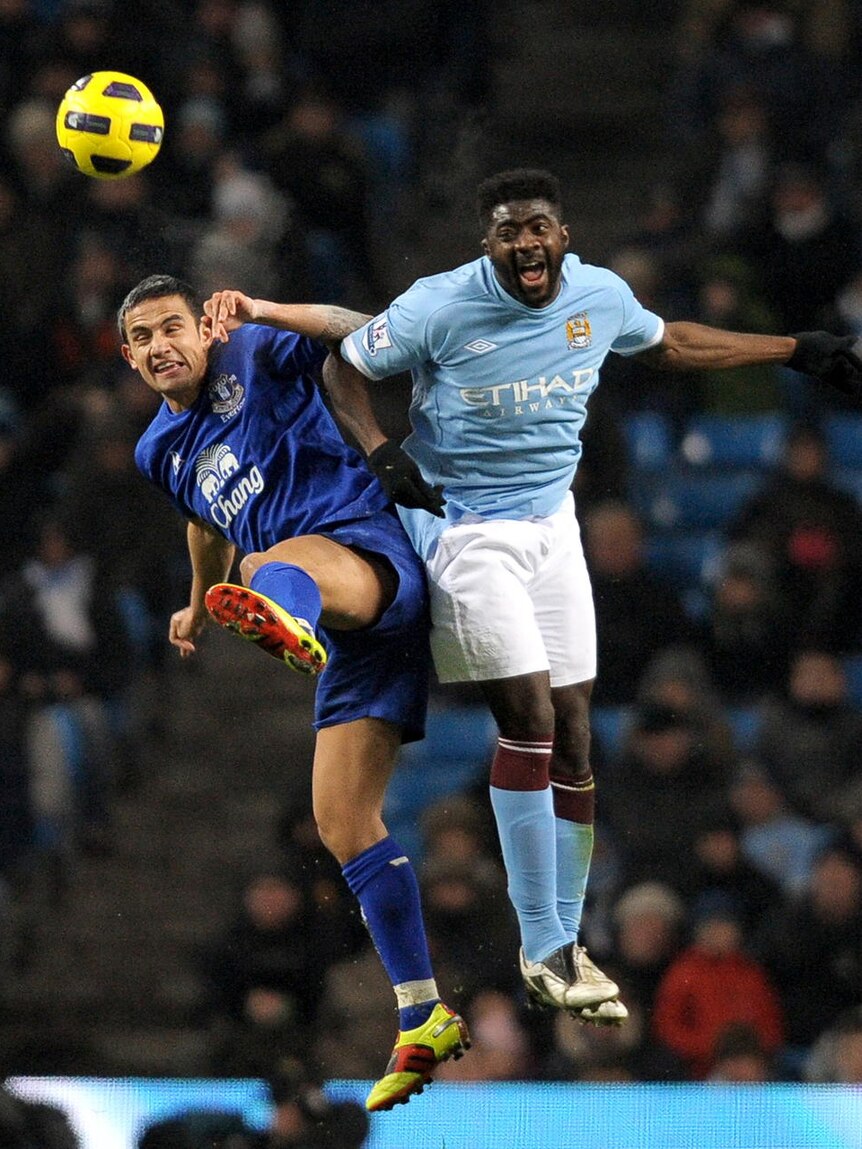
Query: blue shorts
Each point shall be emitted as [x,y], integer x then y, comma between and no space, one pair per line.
[381,671]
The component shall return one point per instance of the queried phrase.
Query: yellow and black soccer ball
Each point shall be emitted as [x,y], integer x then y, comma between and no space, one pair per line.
[110,125]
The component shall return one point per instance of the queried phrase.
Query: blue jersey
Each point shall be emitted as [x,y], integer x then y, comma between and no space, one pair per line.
[258,456]
[500,389]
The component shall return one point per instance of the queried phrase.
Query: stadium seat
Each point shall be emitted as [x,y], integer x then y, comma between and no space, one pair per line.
[649,440]
[610,725]
[853,671]
[744,726]
[752,441]
[844,439]
[455,753]
[693,500]
[849,479]
[685,559]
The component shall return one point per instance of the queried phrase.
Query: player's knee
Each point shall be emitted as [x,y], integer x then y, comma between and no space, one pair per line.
[249,564]
[339,832]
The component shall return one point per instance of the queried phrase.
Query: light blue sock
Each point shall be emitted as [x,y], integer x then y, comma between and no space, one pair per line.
[385,885]
[574,854]
[525,825]
[292,588]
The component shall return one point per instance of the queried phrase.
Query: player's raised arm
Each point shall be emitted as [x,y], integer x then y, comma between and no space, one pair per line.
[225,311]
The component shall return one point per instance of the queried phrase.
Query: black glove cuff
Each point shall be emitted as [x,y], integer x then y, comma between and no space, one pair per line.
[386,455]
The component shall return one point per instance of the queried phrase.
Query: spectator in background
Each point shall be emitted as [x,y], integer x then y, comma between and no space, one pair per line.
[85,331]
[34,1124]
[811,533]
[806,251]
[32,265]
[727,297]
[129,218]
[746,635]
[755,44]
[809,740]
[264,976]
[648,922]
[636,614]
[190,160]
[17,839]
[663,770]
[812,947]
[249,241]
[739,1056]
[836,1056]
[678,678]
[779,842]
[711,986]
[465,902]
[338,925]
[719,869]
[323,170]
[68,644]
[304,1117]
[19,30]
[736,188]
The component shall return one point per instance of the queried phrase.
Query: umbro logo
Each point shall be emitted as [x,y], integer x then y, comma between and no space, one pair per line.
[480,346]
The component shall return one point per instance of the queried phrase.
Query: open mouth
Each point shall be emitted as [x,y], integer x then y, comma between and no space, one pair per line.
[531,273]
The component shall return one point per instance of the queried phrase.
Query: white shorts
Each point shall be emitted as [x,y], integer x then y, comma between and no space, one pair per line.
[512,597]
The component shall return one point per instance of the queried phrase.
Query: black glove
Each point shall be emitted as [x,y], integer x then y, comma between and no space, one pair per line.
[833,358]
[402,480]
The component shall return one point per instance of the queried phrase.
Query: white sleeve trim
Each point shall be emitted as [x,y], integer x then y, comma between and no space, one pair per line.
[353,357]
[654,342]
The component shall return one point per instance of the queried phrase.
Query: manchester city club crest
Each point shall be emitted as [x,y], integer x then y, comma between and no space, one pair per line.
[227,395]
[578,331]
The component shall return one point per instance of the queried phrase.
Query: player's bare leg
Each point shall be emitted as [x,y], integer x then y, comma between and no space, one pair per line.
[353,763]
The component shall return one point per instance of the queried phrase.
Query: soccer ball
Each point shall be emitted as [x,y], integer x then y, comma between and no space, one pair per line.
[109,125]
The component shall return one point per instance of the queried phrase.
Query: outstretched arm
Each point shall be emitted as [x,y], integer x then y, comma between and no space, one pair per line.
[225,311]
[211,557]
[835,359]
[694,346]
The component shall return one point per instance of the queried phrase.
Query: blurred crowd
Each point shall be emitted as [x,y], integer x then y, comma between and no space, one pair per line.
[726,894]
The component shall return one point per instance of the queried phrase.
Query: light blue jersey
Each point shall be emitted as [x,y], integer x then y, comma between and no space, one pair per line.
[500,389]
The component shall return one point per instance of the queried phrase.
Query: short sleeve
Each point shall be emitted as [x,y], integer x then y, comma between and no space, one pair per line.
[640,328]
[392,342]
[294,354]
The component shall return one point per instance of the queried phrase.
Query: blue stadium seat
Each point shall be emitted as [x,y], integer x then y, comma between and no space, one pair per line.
[753,441]
[844,439]
[744,725]
[849,479]
[649,440]
[853,671]
[693,500]
[610,725]
[687,559]
[456,752]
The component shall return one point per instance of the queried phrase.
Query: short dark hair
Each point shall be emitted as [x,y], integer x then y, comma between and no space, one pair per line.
[157,287]
[517,184]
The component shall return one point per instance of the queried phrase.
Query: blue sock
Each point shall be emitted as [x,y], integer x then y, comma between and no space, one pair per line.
[574,853]
[291,588]
[525,826]
[384,882]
